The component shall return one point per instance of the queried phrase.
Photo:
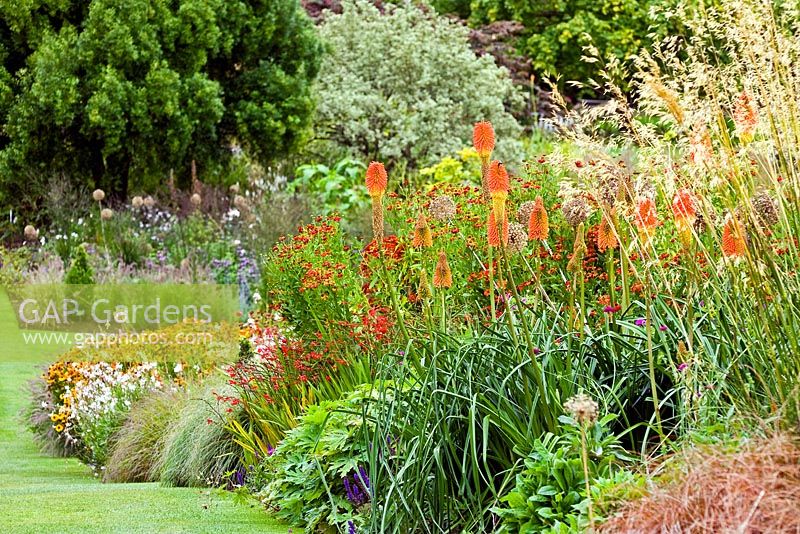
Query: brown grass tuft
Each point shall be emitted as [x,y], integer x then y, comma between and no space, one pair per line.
[754,490]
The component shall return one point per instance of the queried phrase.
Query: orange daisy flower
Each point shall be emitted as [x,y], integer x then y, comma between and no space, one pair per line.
[442,275]
[376,179]
[538,225]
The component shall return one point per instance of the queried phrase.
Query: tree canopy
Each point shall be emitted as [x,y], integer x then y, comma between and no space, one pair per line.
[114,93]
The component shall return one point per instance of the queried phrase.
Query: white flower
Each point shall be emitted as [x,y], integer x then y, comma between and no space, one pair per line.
[256,297]
[178,368]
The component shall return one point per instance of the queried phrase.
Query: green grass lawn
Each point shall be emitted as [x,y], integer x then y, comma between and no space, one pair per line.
[40,494]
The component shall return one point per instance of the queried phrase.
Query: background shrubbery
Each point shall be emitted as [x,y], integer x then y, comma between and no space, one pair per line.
[404,86]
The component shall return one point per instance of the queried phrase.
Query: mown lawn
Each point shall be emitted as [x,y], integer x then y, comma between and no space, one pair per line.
[57,495]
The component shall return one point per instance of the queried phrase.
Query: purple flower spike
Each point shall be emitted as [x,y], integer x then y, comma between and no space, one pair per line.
[682,367]
[663,328]
[640,322]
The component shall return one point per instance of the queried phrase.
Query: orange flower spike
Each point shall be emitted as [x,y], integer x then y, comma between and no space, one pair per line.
[493,233]
[483,140]
[646,218]
[733,243]
[683,208]
[498,183]
[422,233]
[376,179]
[538,225]
[442,275]
[606,236]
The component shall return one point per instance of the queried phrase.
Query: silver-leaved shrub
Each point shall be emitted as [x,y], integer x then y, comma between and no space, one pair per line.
[404,85]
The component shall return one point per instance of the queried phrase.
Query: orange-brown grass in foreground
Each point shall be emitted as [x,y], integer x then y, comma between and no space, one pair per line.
[754,490]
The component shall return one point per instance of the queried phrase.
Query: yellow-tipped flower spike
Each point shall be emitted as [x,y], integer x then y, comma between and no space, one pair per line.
[538,225]
[498,184]
[733,238]
[483,140]
[442,275]
[422,233]
[606,236]
[376,179]
[424,290]
[495,238]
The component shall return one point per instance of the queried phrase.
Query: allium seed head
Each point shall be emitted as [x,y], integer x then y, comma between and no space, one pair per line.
[149,201]
[137,202]
[524,212]
[196,199]
[582,408]
[766,209]
[442,208]
[106,214]
[98,195]
[576,210]
[517,237]
[30,233]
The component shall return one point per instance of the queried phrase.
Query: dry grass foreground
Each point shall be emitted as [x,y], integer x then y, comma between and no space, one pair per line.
[753,490]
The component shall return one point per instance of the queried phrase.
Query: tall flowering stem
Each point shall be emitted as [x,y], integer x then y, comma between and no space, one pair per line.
[483,142]
[377,180]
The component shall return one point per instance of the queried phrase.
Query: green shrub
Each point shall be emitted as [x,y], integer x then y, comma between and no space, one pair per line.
[198,450]
[137,445]
[122,92]
[80,270]
[405,86]
[334,190]
[556,31]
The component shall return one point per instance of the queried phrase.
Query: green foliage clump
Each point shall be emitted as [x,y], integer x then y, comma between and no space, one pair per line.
[120,92]
[404,85]
[137,445]
[80,270]
[550,494]
[304,477]
[333,189]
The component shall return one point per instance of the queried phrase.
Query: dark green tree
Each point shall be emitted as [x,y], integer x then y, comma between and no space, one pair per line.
[114,93]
